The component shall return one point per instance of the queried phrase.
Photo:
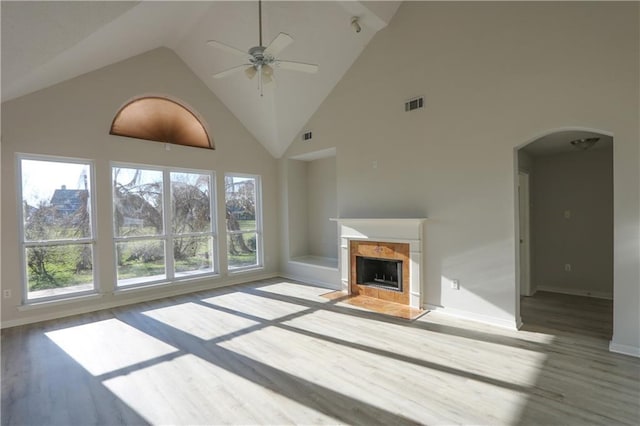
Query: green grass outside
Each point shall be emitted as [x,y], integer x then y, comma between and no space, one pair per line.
[247,225]
[65,276]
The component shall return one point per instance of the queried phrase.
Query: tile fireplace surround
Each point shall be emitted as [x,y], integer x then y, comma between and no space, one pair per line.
[386,231]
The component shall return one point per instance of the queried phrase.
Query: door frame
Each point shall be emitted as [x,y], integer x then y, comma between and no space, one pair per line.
[524,234]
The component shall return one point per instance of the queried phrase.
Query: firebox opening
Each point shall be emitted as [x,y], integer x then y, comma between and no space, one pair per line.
[382,273]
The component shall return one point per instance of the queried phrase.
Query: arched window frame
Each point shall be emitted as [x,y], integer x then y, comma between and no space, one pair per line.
[137,134]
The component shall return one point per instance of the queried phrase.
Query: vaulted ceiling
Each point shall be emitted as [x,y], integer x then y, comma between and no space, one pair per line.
[44,43]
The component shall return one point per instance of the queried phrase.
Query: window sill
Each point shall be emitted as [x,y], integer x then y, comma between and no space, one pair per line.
[165,284]
[56,302]
[246,270]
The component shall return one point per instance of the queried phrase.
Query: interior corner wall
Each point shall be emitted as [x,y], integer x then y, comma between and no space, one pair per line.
[572,219]
[72,119]
[321,202]
[526,165]
[495,75]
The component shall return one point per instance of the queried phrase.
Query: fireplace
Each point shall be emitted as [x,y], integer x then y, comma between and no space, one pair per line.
[380,269]
[397,241]
[381,273]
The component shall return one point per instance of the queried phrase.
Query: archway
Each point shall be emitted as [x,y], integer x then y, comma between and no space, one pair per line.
[571,212]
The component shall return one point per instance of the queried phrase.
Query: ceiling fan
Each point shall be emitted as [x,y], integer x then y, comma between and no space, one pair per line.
[262,60]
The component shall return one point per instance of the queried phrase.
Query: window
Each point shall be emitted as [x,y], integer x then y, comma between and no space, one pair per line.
[160,119]
[244,234]
[57,227]
[159,237]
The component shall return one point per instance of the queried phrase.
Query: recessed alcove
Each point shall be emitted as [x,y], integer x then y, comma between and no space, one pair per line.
[311,201]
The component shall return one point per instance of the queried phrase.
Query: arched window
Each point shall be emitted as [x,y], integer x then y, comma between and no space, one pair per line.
[160,119]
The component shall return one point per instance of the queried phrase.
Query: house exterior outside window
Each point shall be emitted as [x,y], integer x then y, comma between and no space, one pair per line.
[57,227]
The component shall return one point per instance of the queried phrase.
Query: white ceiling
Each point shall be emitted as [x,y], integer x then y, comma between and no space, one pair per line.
[44,43]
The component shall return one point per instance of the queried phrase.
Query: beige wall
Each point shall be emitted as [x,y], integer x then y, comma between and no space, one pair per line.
[72,119]
[580,184]
[495,76]
[321,202]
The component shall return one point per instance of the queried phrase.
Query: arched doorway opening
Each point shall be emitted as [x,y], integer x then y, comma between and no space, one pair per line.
[564,232]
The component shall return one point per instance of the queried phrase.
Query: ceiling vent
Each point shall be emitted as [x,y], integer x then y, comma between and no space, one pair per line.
[306,136]
[414,103]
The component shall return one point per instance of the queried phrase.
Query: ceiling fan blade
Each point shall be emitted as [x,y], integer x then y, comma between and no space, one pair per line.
[227,48]
[230,71]
[278,43]
[298,66]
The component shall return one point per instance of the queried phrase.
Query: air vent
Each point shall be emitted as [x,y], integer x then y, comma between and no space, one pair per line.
[415,103]
[306,136]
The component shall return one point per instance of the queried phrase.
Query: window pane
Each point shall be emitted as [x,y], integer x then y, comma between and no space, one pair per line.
[56,270]
[240,196]
[55,200]
[242,226]
[140,261]
[190,202]
[242,250]
[137,199]
[193,255]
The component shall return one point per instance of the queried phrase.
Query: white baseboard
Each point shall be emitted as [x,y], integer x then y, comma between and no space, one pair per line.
[485,319]
[576,292]
[624,349]
[519,322]
[142,296]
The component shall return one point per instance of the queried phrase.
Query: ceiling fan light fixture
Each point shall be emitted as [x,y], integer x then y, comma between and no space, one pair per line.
[584,144]
[263,59]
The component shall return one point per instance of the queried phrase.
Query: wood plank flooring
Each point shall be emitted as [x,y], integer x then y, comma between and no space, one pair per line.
[277,352]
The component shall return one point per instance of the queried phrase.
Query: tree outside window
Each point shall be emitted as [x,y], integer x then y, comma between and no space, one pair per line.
[57,226]
[244,236]
[160,237]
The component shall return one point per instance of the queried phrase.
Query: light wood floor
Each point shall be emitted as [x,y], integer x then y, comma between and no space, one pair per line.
[273,352]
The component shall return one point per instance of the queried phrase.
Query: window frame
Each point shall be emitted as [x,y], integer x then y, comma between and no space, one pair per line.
[168,235]
[258,228]
[24,244]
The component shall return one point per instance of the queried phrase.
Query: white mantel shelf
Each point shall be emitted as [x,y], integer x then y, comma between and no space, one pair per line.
[394,230]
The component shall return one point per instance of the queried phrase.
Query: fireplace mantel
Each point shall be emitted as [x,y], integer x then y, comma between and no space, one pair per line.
[392,230]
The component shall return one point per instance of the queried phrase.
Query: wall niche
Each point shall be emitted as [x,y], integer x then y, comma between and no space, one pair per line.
[312,201]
